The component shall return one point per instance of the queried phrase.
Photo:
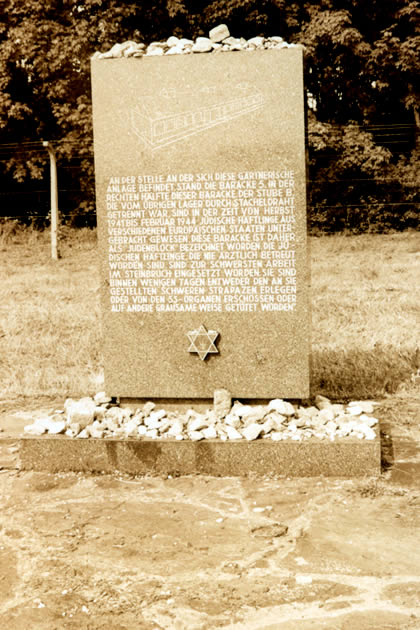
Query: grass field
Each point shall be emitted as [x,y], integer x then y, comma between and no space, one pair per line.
[365,315]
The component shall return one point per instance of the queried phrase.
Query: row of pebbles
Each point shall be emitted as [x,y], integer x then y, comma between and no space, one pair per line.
[99,417]
[219,40]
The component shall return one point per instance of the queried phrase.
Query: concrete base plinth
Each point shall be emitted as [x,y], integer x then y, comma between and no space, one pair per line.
[312,458]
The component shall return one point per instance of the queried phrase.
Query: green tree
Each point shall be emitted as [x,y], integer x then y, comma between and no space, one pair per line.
[361,61]
[360,66]
[45,51]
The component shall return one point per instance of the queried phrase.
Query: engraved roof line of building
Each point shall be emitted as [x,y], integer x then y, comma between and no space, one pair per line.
[171,104]
[171,128]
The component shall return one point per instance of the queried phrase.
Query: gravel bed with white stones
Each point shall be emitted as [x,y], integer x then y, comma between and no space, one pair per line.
[99,417]
[219,40]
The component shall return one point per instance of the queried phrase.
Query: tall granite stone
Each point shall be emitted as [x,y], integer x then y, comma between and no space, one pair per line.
[201,201]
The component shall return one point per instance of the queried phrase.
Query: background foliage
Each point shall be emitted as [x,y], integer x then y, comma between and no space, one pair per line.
[360,70]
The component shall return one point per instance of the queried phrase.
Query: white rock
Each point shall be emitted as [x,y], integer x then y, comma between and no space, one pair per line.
[221,430]
[256,41]
[219,33]
[198,423]
[331,426]
[321,402]
[81,411]
[55,426]
[268,426]
[95,432]
[162,45]
[307,411]
[252,414]
[278,420]
[158,415]
[367,406]
[232,433]
[252,431]
[176,429]
[277,436]
[369,433]
[234,43]
[152,434]
[211,417]
[131,428]
[210,433]
[115,415]
[232,420]
[148,407]
[281,406]
[303,579]
[101,398]
[345,428]
[100,413]
[195,436]
[74,429]
[35,428]
[172,41]
[191,414]
[83,434]
[369,420]
[154,52]
[118,49]
[354,410]
[153,422]
[238,409]
[165,425]
[133,51]
[326,414]
[142,430]
[202,45]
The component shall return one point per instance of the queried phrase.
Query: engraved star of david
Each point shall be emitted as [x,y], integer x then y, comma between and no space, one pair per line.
[202,341]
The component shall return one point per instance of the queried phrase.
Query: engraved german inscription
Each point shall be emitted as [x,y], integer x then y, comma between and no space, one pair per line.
[202,242]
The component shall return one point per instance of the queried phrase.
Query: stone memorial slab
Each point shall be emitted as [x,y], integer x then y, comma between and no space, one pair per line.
[201,201]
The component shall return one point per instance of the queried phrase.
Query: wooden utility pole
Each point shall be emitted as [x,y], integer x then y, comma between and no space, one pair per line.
[54,200]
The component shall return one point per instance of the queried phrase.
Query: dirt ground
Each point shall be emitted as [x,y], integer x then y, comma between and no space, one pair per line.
[113,552]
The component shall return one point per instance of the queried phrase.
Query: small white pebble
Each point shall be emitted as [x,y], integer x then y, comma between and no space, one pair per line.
[300,561]
[303,579]
[219,520]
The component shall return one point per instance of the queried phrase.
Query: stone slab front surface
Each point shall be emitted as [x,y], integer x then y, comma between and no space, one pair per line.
[200,176]
[341,458]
